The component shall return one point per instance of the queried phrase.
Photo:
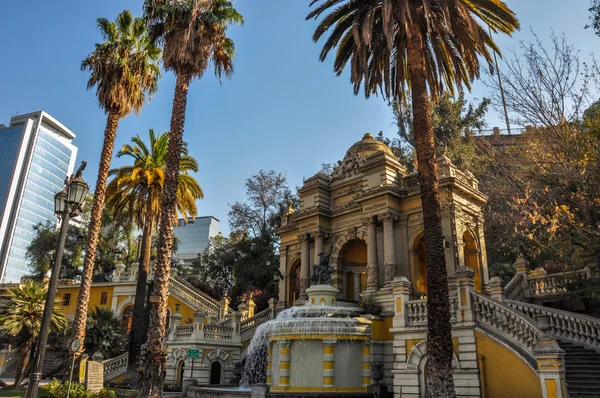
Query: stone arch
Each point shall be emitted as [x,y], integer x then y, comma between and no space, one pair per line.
[341,276]
[417,360]
[341,240]
[121,306]
[470,252]
[218,355]
[292,279]
[418,267]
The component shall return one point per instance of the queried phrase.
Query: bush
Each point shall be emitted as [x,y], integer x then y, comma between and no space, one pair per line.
[59,390]
[503,270]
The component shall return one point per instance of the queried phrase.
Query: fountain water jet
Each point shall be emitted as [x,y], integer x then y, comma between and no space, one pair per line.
[316,347]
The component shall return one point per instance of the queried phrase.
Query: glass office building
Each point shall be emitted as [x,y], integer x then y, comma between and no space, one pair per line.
[193,237]
[36,154]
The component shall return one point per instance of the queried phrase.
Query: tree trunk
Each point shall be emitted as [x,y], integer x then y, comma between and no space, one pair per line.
[137,335]
[155,366]
[439,383]
[23,352]
[79,323]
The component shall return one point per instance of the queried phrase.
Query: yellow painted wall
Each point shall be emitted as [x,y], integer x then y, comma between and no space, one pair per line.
[95,296]
[380,330]
[186,311]
[505,374]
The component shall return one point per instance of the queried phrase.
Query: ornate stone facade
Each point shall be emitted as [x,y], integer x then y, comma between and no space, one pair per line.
[369,210]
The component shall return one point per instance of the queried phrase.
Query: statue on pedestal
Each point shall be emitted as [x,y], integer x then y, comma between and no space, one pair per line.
[322,271]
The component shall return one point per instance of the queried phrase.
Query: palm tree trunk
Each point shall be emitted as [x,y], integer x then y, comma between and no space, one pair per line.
[137,336]
[155,366]
[23,352]
[79,323]
[440,383]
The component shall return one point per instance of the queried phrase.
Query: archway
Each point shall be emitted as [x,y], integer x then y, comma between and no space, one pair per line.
[127,319]
[419,267]
[215,372]
[353,264]
[293,282]
[180,370]
[471,254]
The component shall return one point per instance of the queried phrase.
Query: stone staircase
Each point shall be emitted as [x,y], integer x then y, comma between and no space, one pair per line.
[582,367]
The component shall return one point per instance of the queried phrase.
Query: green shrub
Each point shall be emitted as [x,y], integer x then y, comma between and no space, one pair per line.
[59,390]
[505,271]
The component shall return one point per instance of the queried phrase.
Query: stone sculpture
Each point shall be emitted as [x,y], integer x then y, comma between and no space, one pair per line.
[322,271]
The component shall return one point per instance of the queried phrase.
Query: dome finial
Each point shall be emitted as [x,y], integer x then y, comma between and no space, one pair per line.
[368,136]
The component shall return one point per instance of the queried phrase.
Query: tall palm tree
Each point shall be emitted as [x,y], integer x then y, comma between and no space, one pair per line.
[193,35]
[137,190]
[21,316]
[421,48]
[125,71]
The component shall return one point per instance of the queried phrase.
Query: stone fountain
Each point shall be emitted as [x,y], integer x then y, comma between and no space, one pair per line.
[315,348]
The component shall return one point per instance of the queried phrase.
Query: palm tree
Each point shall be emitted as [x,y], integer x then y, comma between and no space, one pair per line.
[193,35]
[103,333]
[137,190]
[421,48]
[21,317]
[124,69]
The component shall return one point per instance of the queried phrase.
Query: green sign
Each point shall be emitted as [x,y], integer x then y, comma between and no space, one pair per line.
[193,353]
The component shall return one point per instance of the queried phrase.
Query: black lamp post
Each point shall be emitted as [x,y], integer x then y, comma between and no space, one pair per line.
[67,203]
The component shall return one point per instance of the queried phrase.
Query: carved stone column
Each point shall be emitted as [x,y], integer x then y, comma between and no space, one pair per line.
[304,265]
[372,266]
[388,247]
[319,236]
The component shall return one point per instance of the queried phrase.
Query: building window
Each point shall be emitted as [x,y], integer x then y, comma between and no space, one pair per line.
[103,298]
[66,299]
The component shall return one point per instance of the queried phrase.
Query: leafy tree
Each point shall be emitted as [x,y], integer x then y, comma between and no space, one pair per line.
[21,317]
[124,70]
[545,188]
[103,333]
[421,48]
[454,120]
[42,248]
[212,271]
[136,192]
[268,196]
[594,16]
[194,37]
[503,270]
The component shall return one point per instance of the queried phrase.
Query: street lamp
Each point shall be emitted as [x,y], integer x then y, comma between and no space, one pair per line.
[139,242]
[67,203]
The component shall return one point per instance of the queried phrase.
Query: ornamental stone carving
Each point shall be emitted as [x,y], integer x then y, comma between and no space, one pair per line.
[348,167]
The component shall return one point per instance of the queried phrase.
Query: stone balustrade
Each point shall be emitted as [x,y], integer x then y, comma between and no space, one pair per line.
[184,330]
[248,326]
[416,311]
[570,326]
[116,366]
[507,321]
[218,332]
[554,284]
[540,285]
[179,287]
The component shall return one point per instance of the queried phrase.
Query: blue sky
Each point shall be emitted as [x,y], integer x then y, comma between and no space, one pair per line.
[283,109]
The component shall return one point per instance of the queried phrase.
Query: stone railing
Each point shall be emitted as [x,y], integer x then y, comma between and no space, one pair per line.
[554,284]
[505,320]
[218,332]
[564,325]
[248,326]
[202,301]
[116,366]
[184,330]
[516,288]
[416,311]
